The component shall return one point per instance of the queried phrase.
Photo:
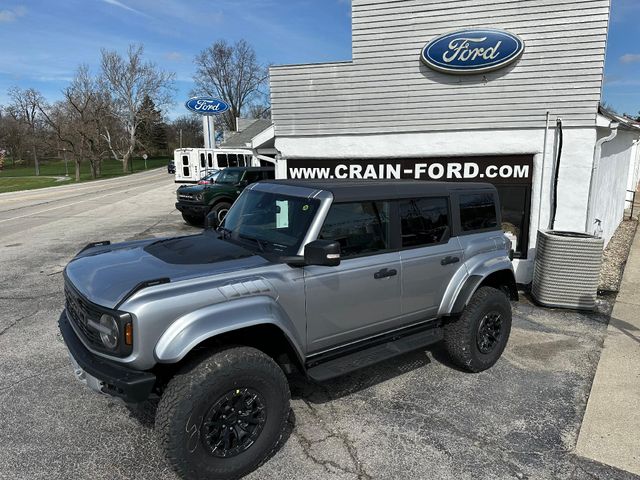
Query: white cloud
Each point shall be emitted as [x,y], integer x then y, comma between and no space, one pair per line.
[630,58]
[119,4]
[12,14]
[174,56]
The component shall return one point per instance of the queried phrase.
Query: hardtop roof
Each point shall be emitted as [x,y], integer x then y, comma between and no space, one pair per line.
[250,169]
[359,190]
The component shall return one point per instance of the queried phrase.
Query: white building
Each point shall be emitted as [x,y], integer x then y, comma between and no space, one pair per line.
[386,111]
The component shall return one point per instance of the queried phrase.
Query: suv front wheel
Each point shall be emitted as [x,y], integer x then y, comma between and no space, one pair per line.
[222,417]
[475,340]
[220,210]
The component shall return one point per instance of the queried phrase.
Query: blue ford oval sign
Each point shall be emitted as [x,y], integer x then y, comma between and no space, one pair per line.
[472,51]
[206,105]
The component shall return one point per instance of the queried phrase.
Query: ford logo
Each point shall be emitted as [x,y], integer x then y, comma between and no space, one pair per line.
[472,51]
[206,105]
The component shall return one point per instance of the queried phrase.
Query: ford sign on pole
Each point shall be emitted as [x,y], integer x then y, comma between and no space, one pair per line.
[472,51]
[206,105]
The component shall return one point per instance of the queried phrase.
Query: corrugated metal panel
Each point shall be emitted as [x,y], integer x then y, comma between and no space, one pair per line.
[387,88]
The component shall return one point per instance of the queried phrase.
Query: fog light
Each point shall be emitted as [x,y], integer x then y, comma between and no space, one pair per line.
[109,331]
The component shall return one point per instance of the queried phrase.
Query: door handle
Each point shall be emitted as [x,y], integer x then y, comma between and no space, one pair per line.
[449,259]
[384,273]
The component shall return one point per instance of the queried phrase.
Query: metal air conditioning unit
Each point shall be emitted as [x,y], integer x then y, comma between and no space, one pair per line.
[567,269]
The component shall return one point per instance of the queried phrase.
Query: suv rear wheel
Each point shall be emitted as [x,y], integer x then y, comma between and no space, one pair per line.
[223,416]
[475,341]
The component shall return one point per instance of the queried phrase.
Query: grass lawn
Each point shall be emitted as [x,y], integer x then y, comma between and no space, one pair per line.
[23,177]
[12,184]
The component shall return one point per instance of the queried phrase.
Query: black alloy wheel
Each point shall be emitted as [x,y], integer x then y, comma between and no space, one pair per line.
[489,332]
[234,422]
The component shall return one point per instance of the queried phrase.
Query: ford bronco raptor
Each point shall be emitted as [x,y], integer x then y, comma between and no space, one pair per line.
[325,278]
[195,202]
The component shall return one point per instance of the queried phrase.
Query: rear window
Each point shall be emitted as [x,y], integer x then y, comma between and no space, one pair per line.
[424,221]
[477,212]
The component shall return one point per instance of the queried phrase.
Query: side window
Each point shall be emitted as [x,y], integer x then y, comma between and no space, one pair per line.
[202,164]
[477,212]
[233,160]
[360,227]
[269,174]
[252,177]
[210,160]
[222,160]
[424,221]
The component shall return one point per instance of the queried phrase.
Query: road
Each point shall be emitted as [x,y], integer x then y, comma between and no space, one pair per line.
[415,417]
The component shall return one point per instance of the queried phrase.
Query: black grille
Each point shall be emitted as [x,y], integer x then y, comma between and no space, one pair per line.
[186,196]
[79,312]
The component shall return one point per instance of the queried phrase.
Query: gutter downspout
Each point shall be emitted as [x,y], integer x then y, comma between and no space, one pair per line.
[597,153]
[544,157]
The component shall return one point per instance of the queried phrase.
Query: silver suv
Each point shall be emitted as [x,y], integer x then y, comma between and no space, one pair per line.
[322,278]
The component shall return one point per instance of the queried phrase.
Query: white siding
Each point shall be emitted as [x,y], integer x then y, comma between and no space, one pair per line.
[611,181]
[386,88]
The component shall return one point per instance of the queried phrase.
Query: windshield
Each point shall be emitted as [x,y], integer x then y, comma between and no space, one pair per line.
[229,176]
[212,176]
[270,221]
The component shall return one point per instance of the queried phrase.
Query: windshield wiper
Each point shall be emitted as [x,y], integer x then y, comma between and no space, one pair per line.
[258,242]
[226,233]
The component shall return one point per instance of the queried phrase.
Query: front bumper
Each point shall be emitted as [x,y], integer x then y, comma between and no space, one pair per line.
[193,209]
[102,375]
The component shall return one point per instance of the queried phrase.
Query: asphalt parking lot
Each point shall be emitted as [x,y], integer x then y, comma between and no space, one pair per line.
[412,418]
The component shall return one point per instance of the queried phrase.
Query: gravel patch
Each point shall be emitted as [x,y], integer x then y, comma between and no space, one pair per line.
[615,256]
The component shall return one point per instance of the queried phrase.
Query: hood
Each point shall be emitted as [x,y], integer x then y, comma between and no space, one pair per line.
[191,188]
[105,275]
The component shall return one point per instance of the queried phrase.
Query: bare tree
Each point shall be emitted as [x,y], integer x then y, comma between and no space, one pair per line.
[13,135]
[128,80]
[260,110]
[79,120]
[24,109]
[232,73]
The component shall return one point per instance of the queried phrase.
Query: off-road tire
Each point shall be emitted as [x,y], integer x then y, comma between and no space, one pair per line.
[194,220]
[220,209]
[460,335]
[197,387]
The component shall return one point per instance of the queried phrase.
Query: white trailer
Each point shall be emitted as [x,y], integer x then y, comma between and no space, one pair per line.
[192,164]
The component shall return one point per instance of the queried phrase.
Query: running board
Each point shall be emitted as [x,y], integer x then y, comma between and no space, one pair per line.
[375,354]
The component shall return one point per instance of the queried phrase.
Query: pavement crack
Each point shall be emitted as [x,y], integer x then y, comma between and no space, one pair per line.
[350,448]
[31,377]
[15,322]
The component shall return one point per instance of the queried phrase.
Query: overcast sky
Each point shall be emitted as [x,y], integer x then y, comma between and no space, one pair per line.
[43,41]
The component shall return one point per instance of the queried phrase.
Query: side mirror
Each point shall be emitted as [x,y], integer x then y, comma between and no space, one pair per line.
[211,221]
[322,252]
[242,183]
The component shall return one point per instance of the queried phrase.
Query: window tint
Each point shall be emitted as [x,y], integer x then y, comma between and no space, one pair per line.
[477,211]
[269,174]
[222,160]
[210,159]
[423,220]
[233,159]
[360,227]
[185,171]
[252,177]
[202,164]
[185,160]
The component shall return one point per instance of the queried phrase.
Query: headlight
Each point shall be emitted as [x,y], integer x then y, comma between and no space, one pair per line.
[109,331]
[199,197]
